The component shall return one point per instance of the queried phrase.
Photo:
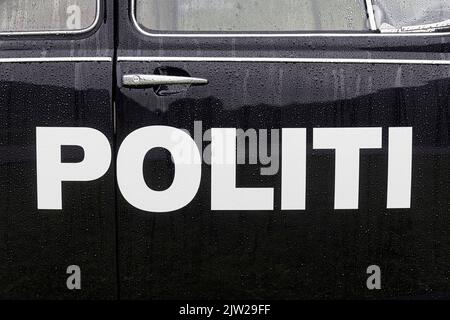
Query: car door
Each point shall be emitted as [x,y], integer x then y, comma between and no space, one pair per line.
[55,74]
[342,187]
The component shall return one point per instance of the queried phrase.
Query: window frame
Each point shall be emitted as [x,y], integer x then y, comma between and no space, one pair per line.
[60,32]
[311,34]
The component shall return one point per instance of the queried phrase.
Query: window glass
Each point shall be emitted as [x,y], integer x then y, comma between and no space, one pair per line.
[251,15]
[405,13]
[46,15]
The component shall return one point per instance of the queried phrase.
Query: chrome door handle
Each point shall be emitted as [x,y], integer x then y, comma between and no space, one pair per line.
[146,80]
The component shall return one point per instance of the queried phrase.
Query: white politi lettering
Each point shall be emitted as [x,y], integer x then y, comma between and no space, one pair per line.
[225,193]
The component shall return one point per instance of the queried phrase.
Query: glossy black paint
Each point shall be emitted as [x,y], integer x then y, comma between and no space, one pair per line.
[36,247]
[318,253]
[196,252]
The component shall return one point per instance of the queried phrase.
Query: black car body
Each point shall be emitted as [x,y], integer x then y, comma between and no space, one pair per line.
[295,89]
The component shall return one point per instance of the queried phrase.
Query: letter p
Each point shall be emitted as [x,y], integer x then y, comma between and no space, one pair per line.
[51,171]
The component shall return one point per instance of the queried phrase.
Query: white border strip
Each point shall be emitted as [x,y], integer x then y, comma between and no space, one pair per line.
[274,34]
[58,32]
[56,59]
[283,60]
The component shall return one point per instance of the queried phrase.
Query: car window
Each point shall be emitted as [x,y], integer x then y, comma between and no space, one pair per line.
[251,15]
[406,13]
[46,15]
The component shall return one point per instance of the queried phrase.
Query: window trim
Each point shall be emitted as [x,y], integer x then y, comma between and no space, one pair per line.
[59,32]
[273,34]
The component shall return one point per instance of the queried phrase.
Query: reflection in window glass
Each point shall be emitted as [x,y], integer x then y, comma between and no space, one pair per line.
[404,13]
[251,15]
[46,15]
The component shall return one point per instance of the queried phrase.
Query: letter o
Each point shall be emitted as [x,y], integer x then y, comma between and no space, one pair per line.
[188,169]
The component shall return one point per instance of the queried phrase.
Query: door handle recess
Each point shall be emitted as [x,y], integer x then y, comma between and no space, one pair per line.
[153,80]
